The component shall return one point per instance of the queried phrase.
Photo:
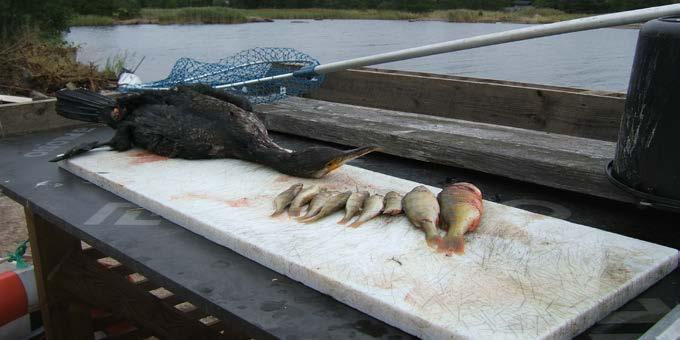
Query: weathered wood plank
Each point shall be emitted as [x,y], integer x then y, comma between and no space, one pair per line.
[86,279]
[559,161]
[63,317]
[574,112]
[29,117]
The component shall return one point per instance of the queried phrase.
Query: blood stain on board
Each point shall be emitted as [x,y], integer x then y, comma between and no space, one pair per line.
[234,203]
[237,203]
[507,231]
[143,157]
[410,299]
[190,197]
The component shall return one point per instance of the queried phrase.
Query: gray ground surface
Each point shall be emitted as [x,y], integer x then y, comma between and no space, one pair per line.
[12,225]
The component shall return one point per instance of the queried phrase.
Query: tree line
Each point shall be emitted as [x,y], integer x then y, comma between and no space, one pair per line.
[598,6]
[51,16]
[581,6]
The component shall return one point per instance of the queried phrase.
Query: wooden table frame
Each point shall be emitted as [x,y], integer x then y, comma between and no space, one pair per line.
[69,284]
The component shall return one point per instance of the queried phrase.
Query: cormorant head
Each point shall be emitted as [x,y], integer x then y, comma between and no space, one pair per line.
[316,162]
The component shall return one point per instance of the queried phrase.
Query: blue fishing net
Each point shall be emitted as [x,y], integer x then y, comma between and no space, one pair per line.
[250,64]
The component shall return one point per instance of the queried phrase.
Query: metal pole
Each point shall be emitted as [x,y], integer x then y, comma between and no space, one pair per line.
[569,26]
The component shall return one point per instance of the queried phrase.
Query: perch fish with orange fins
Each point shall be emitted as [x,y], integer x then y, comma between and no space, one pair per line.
[457,209]
[461,211]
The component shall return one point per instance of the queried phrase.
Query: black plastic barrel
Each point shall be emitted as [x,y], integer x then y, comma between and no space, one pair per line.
[647,161]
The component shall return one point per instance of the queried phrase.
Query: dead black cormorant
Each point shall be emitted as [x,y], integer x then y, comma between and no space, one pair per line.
[195,122]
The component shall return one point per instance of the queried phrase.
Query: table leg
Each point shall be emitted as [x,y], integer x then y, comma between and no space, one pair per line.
[66,278]
[63,317]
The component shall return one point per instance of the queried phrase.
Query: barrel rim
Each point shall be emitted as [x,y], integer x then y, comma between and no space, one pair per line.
[644,199]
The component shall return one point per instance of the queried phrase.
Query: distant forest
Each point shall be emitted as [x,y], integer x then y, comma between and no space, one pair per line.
[429,5]
[52,15]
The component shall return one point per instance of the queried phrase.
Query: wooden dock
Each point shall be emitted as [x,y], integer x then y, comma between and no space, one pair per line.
[557,137]
[568,111]
[558,161]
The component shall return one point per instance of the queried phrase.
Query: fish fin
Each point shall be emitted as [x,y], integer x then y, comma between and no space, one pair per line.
[276,213]
[345,220]
[474,224]
[393,212]
[449,246]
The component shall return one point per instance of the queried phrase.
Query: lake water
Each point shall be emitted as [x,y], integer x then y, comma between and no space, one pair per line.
[599,59]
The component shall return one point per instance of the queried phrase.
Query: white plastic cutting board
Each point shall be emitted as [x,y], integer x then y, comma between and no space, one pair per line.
[523,275]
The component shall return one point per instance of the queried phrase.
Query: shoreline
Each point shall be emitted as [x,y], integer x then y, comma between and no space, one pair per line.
[143,21]
[224,15]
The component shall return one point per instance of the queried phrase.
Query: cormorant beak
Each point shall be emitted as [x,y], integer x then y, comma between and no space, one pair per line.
[349,155]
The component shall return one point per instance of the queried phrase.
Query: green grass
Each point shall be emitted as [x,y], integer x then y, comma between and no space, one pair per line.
[224,15]
[524,16]
[90,20]
[194,15]
[115,65]
[323,13]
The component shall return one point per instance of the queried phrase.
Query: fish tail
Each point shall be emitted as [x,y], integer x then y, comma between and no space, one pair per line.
[277,212]
[345,219]
[306,216]
[311,219]
[449,246]
[356,223]
[294,211]
[434,241]
[432,236]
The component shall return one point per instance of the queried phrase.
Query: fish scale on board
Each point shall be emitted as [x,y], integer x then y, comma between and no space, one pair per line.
[504,284]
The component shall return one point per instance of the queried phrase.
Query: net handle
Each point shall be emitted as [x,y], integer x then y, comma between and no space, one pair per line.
[569,26]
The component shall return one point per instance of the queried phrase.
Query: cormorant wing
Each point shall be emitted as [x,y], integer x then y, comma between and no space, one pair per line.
[173,131]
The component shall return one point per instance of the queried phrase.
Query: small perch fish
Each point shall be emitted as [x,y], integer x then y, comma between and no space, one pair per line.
[353,206]
[392,203]
[283,199]
[461,210]
[422,209]
[304,197]
[372,208]
[335,203]
[317,203]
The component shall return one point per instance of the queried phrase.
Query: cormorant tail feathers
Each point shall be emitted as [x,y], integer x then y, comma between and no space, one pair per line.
[83,105]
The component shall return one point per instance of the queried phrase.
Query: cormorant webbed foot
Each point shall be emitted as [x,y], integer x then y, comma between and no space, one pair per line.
[80,149]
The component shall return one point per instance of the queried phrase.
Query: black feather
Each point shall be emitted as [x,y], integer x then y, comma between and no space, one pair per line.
[83,105]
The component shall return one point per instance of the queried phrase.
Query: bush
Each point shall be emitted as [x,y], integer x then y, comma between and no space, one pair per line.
[206,15]
[90,20]
[50,18]
[46,66]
